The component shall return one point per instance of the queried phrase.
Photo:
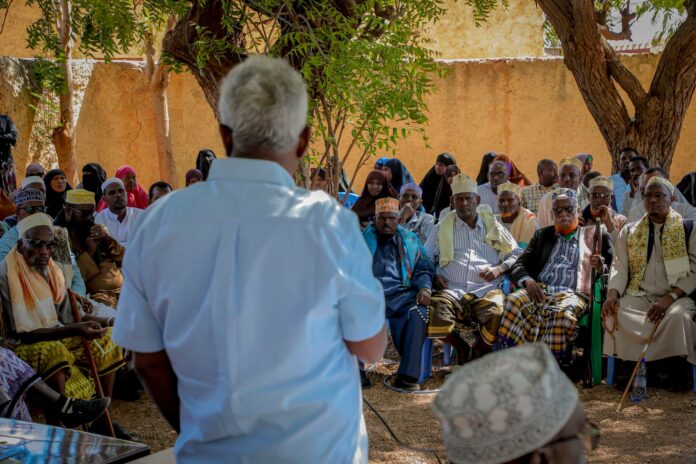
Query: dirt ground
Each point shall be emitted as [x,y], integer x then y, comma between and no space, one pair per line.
[659,430]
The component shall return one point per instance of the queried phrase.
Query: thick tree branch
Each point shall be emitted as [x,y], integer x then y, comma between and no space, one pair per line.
[625,78]
[626,22]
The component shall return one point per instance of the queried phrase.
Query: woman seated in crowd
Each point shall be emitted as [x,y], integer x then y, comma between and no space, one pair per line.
[376,187]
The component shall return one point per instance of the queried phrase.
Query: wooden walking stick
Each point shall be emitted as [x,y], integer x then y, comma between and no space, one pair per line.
[635,370]
[90,361]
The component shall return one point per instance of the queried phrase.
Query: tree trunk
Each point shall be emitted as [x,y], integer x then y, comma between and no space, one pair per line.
[655,127]
[64,135]
[158,81]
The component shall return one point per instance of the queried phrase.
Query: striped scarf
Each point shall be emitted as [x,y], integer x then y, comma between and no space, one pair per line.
[673,241]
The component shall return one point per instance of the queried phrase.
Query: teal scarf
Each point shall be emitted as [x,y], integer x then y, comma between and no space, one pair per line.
[410,249]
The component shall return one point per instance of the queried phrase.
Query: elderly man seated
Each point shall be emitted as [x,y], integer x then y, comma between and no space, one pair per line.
[418,222]
[569,177]
[680,205]
[39,320]
[31,201]
[651,278]
[118,218]
[472,252]
[599,209]
[553,275]
[497,174]
[513,216]
[99,255]
[402,266]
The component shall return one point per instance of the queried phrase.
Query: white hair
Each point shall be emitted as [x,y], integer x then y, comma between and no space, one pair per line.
[264,102]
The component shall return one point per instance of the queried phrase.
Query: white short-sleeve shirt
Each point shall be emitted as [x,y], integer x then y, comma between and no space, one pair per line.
[121,231]
[251,285]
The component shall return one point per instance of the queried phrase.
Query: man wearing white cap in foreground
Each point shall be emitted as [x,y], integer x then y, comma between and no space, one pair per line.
[472,252]
[514,406]
[118,218]
[652,276]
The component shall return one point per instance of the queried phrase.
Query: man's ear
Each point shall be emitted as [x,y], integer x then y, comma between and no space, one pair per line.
[227,139]
[303,142]
[538,457]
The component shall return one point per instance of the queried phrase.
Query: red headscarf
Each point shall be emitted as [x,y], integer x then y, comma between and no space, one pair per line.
[515,175]
[137,198]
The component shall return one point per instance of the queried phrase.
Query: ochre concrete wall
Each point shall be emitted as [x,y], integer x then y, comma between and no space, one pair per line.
[529,109]
[512,32]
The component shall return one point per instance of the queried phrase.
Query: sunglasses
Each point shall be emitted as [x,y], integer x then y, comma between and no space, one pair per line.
[39,244]
[600,196]
[84,214]
[34,209]
[563,209]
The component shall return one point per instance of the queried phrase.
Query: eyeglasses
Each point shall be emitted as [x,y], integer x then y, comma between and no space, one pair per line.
[589,436]
[563,209]
[34,209]
[497,174]
[81,213]
[600,196]
[38,244]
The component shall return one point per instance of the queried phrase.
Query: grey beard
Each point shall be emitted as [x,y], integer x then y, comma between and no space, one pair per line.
[42,270]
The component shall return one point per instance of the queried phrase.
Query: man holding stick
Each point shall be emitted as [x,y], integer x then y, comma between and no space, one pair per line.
[653,272]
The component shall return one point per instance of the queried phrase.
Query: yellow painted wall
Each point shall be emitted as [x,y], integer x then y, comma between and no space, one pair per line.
[529,109]
[509,32]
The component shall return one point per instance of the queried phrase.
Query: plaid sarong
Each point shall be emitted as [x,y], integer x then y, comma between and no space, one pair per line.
[553,323]
[469,317]
[49,357]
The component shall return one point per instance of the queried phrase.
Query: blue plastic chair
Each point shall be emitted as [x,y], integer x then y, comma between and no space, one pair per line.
[610,372]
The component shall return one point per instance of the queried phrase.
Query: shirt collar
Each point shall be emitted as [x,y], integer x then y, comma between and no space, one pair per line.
[115,216]
[479,223]
[250,170]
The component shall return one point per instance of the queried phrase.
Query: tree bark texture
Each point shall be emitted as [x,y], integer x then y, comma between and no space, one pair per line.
[654,128]
[64,135]
[157,75]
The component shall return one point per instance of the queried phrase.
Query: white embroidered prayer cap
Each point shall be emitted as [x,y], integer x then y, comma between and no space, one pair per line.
[32,180]
[504,405]
[113,180]
[463,184]
[35,220]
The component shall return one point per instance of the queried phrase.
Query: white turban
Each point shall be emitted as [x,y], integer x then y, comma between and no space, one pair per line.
[113,180]
[32,180]
[33,221]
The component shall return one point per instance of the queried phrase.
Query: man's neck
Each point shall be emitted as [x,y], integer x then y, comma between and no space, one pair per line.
[471,221]
[546,186]
[120,213]
[510,219]
[626,176]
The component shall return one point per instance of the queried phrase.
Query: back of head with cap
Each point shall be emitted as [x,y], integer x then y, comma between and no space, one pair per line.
[505,405]
[263,102]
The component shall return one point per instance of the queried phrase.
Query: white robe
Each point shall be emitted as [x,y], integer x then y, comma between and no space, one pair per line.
[676,335]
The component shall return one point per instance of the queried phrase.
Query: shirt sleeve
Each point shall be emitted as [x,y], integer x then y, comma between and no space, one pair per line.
[135,327]
[7,242]
[426,228]
[545,216]
[431,245]
[688,283]
[361,296]
[618,275]
[78,284]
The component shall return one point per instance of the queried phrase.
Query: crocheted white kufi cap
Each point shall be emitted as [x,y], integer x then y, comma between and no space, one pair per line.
[504,405]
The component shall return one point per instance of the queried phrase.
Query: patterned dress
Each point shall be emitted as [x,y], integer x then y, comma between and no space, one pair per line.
[16,377]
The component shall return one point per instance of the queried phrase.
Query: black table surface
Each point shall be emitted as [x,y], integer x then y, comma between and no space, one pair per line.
[31,443]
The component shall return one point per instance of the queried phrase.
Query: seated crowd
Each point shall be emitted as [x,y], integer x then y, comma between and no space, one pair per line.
[498,261]
[481,264]
[60,252]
